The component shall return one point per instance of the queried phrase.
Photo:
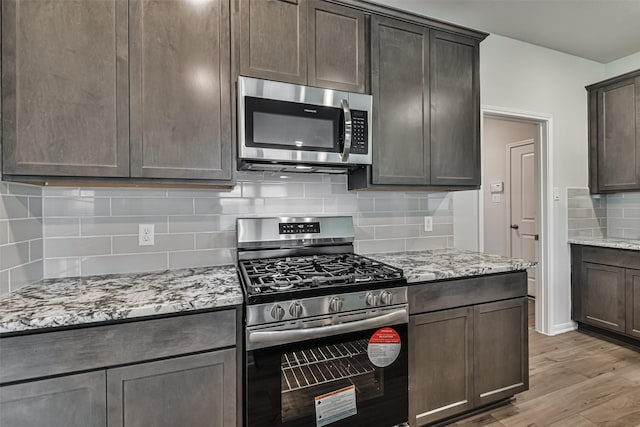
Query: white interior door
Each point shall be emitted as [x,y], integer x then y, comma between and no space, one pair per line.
[523,206]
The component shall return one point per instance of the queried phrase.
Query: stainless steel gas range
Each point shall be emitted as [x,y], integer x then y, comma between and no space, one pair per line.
[326,329]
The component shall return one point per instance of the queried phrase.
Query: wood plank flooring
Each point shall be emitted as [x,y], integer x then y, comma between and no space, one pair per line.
[576,380]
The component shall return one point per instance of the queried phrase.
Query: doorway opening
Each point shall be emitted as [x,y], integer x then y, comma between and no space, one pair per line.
[513,212]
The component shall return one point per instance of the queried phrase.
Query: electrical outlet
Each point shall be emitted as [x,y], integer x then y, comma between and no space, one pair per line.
[428,223]
[146,234]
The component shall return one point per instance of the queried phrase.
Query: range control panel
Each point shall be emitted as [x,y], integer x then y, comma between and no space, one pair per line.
[299,227]
[360,133]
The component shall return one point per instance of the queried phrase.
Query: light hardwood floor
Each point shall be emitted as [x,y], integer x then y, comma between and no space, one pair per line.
[576,380]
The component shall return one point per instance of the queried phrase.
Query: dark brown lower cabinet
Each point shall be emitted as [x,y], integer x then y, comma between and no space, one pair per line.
[605,289]
[603,296]
[633,303]
[463,358]
[190,391]
[441,361]
[501,350]
[69,401]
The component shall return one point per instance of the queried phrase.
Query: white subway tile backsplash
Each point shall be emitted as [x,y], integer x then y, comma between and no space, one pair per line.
[23,189]
[77,246]
[150,206]
[14,207]
[397,231]
[61,227]
[201,258]
[13,255]
[61,267]
[424,243]
[24,229]
[94,230]
[130,263]
[36,250]
[25,274]
[223,239]
[256,189]
[75,207]
[120,225]
[4,279]
[163,243]
[380,246]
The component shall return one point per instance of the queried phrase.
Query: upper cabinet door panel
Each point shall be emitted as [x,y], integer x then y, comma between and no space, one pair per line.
[273,39]
[336,47]
[619,136]
[455,110]
[399,84]
[180,89]
[65,88]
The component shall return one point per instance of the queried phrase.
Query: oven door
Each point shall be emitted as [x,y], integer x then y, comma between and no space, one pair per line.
[352,379]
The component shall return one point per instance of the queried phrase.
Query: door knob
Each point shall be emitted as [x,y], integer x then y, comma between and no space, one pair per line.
[515,226]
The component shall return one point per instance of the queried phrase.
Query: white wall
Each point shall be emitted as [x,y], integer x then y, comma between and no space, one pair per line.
[523,77]
[623,65]
[497,133]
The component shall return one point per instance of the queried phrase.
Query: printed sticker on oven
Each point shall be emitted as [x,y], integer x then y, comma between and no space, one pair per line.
[335,406]
[384,347]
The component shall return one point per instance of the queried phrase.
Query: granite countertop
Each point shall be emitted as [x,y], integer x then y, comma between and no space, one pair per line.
[79,300]
[438,264]
[607,242]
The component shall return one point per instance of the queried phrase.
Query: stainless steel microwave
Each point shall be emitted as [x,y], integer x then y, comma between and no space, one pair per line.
[291,128]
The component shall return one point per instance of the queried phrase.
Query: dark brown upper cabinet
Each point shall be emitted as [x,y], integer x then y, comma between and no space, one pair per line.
[65,88]
[117,89]
[180,90]
[455,110]
[399,70]
[614,134]
[308,42]
[336,47]
[426,100]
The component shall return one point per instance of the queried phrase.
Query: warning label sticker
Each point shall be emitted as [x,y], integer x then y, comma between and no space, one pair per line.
[384,347]
[335,406]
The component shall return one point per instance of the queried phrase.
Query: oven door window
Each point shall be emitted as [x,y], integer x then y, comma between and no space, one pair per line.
[287,383]
[290,125]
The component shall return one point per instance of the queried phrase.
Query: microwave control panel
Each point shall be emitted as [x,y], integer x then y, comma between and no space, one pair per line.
[359,132]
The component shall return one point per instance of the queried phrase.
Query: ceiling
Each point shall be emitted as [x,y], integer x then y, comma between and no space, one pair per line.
[600,30]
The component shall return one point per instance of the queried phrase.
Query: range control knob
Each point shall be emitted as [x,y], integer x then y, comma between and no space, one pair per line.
[335,305]
[277,312]
[371,299]
[296,309]
[386,297]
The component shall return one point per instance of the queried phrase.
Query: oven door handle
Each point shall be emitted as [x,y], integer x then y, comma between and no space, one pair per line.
[292,335]
[346,149]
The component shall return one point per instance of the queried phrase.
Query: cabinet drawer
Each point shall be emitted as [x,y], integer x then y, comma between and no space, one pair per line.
[53,353]
[457,293]
[609,256]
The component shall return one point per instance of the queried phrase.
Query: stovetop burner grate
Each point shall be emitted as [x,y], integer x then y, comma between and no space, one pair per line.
[272,275]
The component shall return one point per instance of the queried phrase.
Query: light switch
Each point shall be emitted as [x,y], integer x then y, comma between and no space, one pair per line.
[496,187]
[496,198]
[556,194]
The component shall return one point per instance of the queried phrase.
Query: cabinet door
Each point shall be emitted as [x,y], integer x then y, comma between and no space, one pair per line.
[603,296]
[273,39]
[336,49]
[69,401]
[399,84]
[633,303]
[190,391]
[440,365]
[501,350]
[455,110]
[65,88]
[619,136]
[180,89]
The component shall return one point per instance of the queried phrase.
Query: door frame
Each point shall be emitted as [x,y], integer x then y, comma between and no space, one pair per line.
[544,302]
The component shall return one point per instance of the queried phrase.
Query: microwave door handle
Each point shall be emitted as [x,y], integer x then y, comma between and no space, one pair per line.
[347,130]
[293,335]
